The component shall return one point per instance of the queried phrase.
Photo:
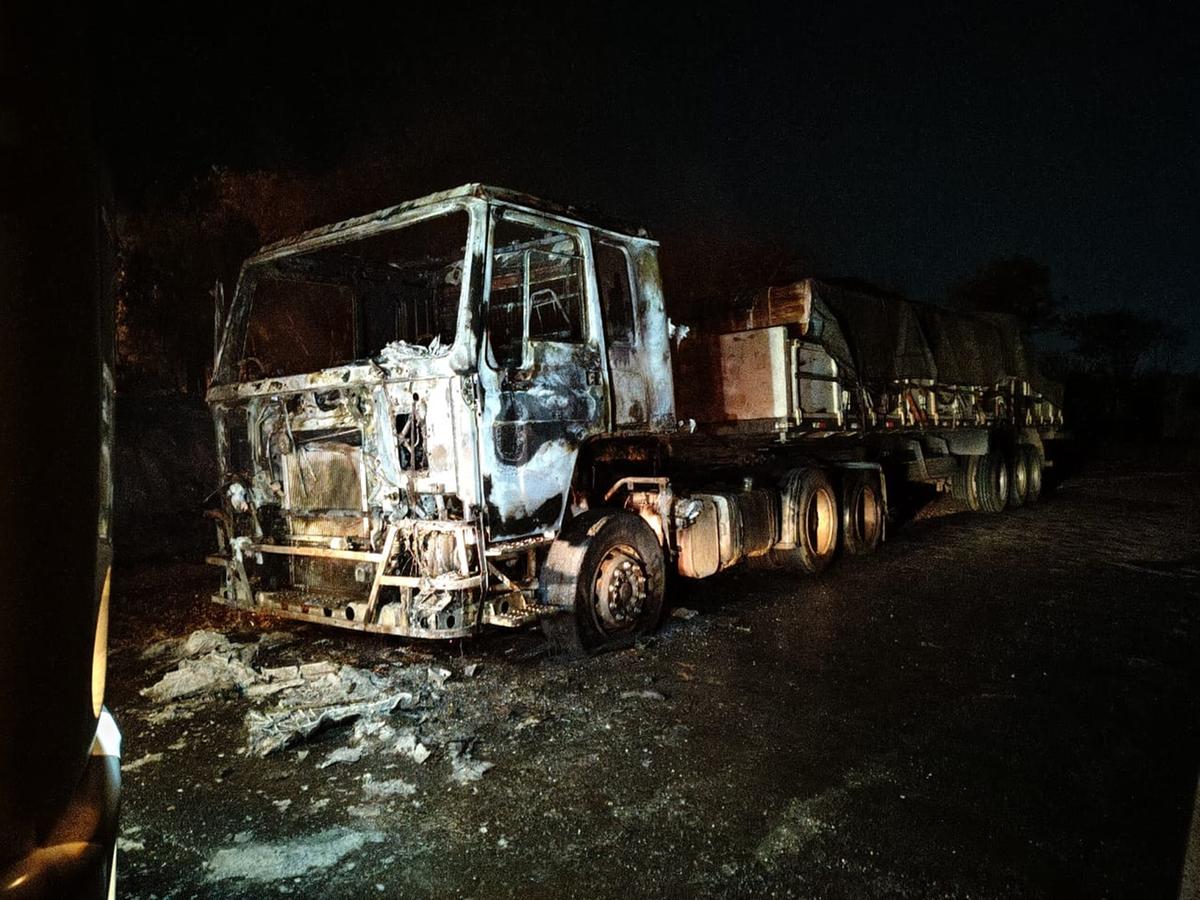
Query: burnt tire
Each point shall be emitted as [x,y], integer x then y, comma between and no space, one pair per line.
[809,522]
[1018,476]
[1034,465]
[862,513]
[991,482]
[606,569]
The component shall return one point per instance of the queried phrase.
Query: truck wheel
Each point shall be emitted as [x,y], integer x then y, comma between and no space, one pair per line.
[991,482]
[608,567]
[809,522]
[1033,472]
[970,485]
[862,513]
[1018,476]
[958,481]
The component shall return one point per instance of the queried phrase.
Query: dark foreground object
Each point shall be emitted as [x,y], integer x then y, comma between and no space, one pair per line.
[59,750]
[995,706]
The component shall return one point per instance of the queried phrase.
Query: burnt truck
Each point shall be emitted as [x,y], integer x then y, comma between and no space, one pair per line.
[472,410]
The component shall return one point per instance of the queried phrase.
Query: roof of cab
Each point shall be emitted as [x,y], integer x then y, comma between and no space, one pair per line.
[579,215]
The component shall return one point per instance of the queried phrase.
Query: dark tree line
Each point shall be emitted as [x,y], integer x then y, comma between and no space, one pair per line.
[1117,343]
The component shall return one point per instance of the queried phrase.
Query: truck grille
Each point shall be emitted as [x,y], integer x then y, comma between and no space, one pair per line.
[325,476]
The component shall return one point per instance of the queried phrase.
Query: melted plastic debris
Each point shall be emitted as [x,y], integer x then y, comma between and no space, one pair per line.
[393,787]
[341,755]
[169,713]
[676,332]
[196,643]
[146,760]
[647,694]
[463,767]
[401,351]
[222,669]
[410,745]
[305,697]
[373,730]
[307,704]
[208,663]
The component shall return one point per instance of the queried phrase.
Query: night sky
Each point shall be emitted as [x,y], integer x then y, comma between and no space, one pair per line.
[903,147]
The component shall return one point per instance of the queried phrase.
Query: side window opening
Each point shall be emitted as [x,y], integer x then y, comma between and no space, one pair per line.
[536,291]
[615,280]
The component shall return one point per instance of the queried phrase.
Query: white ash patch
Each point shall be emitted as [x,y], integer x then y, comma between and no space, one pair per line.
[267,862]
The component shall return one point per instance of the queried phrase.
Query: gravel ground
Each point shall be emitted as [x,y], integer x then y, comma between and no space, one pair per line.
[990,706]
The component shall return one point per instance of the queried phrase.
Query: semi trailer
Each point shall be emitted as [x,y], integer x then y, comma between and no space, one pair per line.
[472,410]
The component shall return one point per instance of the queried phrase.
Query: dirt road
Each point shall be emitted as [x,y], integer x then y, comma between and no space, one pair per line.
[989,707]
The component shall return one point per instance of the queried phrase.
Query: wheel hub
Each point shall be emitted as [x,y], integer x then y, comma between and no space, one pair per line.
[620,589]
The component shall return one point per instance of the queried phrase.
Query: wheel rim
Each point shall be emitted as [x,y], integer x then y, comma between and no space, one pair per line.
[1020,482]
[1035,472]
[1002,483]
[820,522]
[620,589]
[866,515]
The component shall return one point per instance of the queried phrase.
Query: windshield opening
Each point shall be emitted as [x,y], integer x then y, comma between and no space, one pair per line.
[335,305]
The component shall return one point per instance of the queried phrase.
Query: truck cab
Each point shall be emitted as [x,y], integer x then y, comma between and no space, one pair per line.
[401,401]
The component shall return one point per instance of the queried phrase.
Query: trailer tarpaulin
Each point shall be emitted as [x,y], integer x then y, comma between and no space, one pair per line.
[969,349]
[884,338]
[889,338]
[953,338]
[825,328]
[1016,361]
[883,334]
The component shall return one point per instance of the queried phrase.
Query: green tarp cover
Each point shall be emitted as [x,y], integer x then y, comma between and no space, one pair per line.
[888,339]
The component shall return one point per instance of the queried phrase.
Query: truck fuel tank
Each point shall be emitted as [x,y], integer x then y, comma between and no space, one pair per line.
[729,528]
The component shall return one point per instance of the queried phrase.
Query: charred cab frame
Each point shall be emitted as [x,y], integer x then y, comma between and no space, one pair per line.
[460,468]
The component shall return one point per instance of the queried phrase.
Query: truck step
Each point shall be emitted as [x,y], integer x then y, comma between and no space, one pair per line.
[519,618]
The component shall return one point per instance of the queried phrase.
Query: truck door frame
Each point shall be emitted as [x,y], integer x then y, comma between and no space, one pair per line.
[533,417]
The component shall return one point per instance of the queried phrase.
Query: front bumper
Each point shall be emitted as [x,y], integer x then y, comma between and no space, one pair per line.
[425,581]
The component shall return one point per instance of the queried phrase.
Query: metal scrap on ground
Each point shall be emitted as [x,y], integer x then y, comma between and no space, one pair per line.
[305,697]
[306,705]
[208,663]
[294,702]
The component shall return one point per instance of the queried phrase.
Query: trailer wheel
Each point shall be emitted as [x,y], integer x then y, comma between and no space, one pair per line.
[958,481]
[809,522]
[608,567]
[862,513]
[1018,476]
[1033,471]
[991,482]
[968,475]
